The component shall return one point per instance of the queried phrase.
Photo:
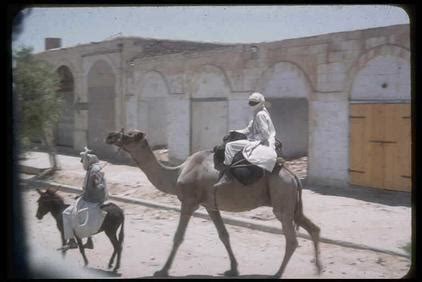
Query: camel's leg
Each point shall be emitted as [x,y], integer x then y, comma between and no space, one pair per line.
[111,234]
[185,215]
[314,231]
[224,237]
[291,240]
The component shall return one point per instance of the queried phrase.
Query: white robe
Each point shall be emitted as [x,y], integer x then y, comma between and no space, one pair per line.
[85,217]
[260,129]
[82,218]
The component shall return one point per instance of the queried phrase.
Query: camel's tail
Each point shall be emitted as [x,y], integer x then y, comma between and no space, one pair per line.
[299,205]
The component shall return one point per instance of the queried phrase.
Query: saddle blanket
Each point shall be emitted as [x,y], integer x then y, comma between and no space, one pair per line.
[86,218]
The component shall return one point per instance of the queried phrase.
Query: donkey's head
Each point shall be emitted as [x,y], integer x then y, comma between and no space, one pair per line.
[47,201]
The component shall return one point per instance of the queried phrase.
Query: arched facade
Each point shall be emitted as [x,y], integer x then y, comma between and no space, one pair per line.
[380,147]
[152,109]
[209,107]
[101,105]
[287,89]
[188,98]
[66,125]
[383,74]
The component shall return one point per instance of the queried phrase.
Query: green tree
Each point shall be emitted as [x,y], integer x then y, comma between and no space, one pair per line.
[39,103]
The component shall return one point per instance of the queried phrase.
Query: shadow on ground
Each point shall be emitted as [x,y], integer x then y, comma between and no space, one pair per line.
[384,197]
[199,276]
[102,272]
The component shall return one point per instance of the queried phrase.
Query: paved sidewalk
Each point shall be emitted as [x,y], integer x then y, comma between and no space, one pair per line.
[374,218]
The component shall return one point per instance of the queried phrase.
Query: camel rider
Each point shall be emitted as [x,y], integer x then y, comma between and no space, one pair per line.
[259,147]
[85,216]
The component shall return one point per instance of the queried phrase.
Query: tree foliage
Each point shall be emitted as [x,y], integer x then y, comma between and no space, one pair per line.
[39,103]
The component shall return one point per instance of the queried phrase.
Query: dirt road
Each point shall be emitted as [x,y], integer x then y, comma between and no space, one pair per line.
[148,239]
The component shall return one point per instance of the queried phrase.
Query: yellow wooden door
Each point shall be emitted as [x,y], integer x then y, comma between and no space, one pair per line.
[380,146]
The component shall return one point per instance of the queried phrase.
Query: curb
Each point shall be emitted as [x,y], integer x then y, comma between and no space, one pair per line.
[31,169]
[226,219]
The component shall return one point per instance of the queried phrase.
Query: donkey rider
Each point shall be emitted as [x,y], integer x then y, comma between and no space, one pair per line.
[259,147]
[93,195]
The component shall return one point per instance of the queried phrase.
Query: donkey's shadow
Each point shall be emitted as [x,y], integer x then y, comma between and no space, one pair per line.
[102,272]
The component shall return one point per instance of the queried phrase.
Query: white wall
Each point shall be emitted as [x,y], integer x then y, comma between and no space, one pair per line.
[383,78]
[328,142]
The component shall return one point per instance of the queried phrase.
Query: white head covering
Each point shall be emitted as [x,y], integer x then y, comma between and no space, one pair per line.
[257,97]
[87,158]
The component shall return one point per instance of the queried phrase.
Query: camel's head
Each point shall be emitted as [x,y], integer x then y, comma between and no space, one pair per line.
[121,138]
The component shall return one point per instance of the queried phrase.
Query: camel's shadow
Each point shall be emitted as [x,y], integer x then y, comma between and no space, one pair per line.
[200,276]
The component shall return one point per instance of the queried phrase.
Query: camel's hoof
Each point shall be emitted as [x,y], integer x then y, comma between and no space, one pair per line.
[231,273]
[110,266]
[115,269]
[276,276]
[161,273]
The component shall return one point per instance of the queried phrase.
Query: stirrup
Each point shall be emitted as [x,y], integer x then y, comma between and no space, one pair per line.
[223,179]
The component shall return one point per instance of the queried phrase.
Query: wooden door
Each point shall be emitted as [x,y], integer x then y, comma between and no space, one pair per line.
[380,146]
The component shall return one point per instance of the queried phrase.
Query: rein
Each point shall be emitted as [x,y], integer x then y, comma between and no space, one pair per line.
[120,140]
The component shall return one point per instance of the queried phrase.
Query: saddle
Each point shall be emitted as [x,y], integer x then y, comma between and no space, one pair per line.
[245,172]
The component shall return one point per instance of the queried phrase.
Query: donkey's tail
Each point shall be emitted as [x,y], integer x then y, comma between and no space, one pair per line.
[121,233]
[299,206]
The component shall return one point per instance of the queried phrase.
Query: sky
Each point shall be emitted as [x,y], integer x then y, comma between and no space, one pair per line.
[225,24]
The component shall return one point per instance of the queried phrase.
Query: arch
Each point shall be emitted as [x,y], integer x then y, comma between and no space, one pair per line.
[66,125]
[152,108]
[101,105]
[154,84]
[287,88]
[89,62]
[209,89]
[67,63]
[101,74]
[66,78]
[210,81]
[380,64]
[284,80]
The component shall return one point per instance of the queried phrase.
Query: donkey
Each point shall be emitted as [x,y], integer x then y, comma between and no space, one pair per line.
[50,201]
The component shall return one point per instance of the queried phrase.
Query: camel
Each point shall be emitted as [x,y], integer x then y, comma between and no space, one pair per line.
[192,182]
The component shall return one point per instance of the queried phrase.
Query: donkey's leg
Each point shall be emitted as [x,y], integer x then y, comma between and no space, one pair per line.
[111,234]
[185,215]
[291,240]
[63,241]
[81,249]
[314,231]
[120,242]
[225,238]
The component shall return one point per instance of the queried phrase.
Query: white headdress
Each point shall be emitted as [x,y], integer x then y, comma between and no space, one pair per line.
[87,158]
[259,98]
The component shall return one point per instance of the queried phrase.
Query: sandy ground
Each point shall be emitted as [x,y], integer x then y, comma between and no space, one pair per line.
[148,240]
[369,221]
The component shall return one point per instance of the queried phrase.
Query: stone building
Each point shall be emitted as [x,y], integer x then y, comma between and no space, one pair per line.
[328,94]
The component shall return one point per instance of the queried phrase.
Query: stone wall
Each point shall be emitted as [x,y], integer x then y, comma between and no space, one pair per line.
[324,72]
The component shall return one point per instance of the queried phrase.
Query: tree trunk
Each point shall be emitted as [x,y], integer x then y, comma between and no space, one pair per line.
[48,139]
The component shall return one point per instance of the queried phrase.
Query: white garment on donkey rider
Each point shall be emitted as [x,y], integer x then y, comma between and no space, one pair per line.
[259,148]
[85,217]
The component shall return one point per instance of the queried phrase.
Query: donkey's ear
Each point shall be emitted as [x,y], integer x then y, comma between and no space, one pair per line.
[39,191]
